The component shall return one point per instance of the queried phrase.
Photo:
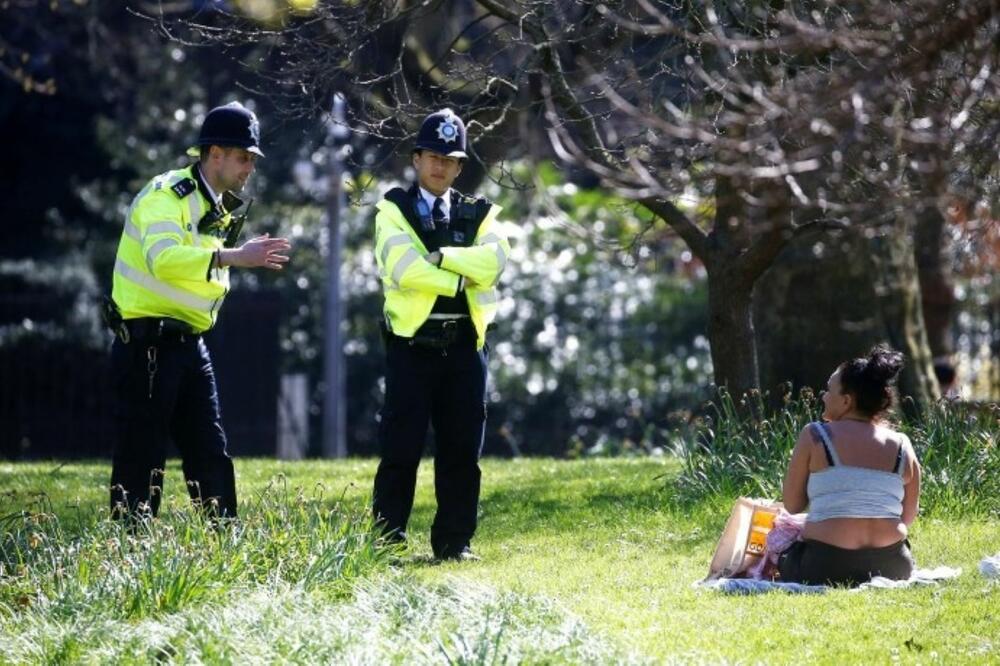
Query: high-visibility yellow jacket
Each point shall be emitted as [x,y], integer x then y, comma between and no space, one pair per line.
[162,267]
[411,283]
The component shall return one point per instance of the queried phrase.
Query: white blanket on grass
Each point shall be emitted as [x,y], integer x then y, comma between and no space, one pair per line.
[751,586]
[990,566]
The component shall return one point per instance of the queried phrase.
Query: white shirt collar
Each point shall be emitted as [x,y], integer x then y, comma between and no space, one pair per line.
[445,201]
[216,198]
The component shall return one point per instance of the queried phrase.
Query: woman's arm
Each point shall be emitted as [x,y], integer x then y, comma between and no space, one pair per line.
[793,490]
[911,484]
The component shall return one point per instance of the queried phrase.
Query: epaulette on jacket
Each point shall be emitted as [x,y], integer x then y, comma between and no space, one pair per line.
[470,207]
[184,187]
[473,199]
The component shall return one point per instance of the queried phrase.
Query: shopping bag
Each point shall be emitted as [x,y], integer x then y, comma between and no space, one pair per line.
[786,530]
[744,538]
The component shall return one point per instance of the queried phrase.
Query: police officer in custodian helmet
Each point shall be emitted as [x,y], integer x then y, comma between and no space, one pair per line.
[171,275]
[440,255]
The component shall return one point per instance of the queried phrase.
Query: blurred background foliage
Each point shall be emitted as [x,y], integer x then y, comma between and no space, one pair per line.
[601,337]
[601,345]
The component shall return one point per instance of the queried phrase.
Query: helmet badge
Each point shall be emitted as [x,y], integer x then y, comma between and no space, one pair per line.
[447,131]
[254,128]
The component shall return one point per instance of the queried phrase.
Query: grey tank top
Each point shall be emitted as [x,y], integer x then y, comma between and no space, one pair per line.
[845,491]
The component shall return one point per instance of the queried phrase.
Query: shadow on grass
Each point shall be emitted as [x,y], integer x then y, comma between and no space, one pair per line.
[649,507]
[414,561]
[568,500]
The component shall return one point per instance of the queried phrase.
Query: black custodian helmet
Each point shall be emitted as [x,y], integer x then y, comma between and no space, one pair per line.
[230,125]
[442,132]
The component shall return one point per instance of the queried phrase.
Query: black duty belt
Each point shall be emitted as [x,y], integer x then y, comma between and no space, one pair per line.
[151,329]
[440,333]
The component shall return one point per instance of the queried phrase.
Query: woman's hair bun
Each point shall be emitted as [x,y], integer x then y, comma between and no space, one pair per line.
[883,364]
[871,379]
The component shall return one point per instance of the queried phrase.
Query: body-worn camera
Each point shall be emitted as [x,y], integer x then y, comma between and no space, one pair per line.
[211,222]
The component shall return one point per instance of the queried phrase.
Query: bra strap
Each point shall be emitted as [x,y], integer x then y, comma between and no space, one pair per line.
[900,459]
[819,430]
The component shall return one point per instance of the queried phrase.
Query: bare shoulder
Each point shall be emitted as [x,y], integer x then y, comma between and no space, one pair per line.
[805,447]
[907,445]
[890,436]
[800,451]
[900,440]
[807,437]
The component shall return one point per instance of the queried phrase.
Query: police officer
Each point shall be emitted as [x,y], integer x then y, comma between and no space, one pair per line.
[440,255]
[171,275]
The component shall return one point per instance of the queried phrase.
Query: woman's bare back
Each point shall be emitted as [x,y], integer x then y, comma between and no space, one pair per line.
[867,445]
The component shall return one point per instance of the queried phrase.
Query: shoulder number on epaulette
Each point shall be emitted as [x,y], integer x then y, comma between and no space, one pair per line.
[184,187]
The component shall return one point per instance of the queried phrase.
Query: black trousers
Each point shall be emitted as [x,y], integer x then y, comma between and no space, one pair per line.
[818,563]
[447,390]
[183,407]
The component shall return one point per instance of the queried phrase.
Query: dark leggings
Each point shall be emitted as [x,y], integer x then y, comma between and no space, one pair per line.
[818,563]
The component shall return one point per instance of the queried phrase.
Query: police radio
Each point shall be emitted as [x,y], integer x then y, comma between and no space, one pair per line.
[236,227]
[211,221]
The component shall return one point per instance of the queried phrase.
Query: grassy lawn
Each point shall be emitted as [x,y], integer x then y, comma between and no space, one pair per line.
[584,562]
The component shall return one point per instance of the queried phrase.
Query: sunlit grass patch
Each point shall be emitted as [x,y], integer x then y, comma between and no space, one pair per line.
[393,619]
[120,571]
[587,561]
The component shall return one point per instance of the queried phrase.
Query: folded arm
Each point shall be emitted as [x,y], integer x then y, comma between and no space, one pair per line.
[406,265]
[484,262]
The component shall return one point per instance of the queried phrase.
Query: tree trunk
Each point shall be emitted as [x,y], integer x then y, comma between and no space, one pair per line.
[831,297]
[730,289]
[937,293]
[898,291]
[814,309]
[731,331]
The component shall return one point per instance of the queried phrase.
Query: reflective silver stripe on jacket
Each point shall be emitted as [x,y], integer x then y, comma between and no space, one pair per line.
[487,297]
[194,207]
[443,316]
[404,262]
[159,246]
[501,255]
[163,289]
[394,241]
[165,227]
[501,264]
[132,231]
[135,202]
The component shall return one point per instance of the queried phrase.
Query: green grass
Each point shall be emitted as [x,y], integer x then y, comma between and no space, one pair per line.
[584,562]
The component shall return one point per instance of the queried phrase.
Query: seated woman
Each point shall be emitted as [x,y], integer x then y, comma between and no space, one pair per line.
[859,478]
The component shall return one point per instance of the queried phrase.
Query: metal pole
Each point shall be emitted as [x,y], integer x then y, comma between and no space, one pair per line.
[334,430]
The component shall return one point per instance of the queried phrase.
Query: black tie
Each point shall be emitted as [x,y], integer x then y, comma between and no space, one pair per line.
[437,213]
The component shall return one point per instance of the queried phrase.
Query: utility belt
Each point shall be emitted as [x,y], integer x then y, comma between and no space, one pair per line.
[438,334]
[152,329]
[145,329]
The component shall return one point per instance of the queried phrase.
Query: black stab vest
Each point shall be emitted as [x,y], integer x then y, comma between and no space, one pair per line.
[467,213]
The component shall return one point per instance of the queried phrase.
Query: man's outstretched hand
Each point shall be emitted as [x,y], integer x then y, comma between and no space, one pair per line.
[260,252]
